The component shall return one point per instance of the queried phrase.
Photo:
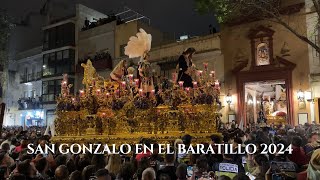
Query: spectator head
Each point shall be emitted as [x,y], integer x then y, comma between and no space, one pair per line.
[71,165]
[148,174]
[202,164]
[75,175]
[126,171]
[237,141]
[99,161]
[24,143]
[114,164]
[5,147]
[169,158]
[187,139]
[61,173]
[313,137]
[215,139]
[296,141]
[61,160]
[181,171]
[103,174]
[42,165]
[25,168]
[88,172]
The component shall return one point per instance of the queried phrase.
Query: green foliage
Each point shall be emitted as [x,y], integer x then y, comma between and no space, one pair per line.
[233,10]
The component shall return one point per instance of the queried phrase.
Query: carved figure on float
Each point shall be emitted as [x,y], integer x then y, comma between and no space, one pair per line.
[139,47]
[89,74]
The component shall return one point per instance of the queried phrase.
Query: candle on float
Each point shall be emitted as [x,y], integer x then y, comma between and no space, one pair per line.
[210,75]
[136,81]
[217,84]
[140,92]
[130,77]
[81,93]
[195,84]
[107,94]
[73,100]
[123,83]
[174,77]
[98,91]
[205,66]
[118,92]
[213,73]
[152,92]
[200,73]
[187,90]
[181,84]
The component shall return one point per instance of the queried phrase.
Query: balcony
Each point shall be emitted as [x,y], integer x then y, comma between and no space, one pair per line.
[100,61]
[30,77]
[29,103]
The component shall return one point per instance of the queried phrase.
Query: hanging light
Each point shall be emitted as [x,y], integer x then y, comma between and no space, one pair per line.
[300,95]
[229,98]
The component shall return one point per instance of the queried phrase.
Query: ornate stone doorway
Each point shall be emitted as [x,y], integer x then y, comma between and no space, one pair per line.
[281,71]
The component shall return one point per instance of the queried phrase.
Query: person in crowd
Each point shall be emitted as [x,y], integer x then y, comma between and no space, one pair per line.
[257,165]
[185,158]
[169,168]
[61,173]
[114,165]
[181,171]
[298,155]
[313,171]
[185,67]
[126,172]
[75,175]
[103,174]
[312,144]
[148,174]
[42,167]
[87,166]
[228,160]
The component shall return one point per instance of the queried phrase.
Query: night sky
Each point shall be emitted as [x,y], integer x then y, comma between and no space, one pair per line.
[174,16]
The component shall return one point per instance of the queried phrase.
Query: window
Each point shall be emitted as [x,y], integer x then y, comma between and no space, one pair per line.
[66,54]
[57,63]
[63,35]
[59,55]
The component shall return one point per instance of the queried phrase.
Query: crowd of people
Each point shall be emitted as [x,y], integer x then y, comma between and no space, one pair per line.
[101,21]
[302,162]
[30,102]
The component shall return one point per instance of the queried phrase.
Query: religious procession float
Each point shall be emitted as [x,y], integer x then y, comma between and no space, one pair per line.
[125,109]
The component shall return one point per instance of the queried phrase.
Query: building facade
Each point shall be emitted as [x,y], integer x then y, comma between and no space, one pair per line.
[24,90]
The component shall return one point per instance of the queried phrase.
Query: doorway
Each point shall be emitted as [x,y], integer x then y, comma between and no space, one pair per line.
[266,101]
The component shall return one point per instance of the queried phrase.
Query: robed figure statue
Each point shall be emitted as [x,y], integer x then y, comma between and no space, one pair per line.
[186,67]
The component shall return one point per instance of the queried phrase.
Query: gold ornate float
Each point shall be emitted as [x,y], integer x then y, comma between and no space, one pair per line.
[128,109]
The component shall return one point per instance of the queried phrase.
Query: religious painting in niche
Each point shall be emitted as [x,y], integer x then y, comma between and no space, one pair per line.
[263,55]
